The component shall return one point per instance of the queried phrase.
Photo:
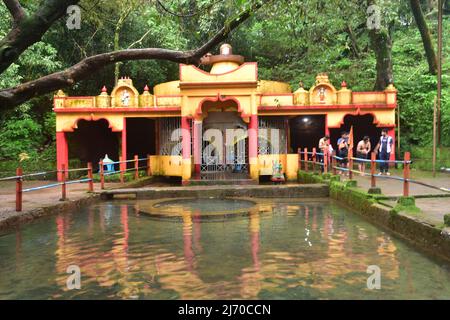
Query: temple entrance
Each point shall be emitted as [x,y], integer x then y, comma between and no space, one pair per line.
[224,146]
[140,137]
[306,131]
[91,141]
[363,125]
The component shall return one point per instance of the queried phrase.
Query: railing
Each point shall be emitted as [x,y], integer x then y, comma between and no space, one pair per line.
[309,159]
[64,173]
[19,177]
[122,168]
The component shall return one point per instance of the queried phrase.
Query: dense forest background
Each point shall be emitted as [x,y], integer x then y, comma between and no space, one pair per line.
[292,41]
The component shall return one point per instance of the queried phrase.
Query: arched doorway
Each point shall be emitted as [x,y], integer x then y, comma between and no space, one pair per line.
[92,140]
[363,125]
[224,143]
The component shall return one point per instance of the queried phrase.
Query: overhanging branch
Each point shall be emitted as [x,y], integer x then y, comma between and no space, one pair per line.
[14,96]
[27,30]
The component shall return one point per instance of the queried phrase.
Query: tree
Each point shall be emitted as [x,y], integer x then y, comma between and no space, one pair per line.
[20,37]
[425,34]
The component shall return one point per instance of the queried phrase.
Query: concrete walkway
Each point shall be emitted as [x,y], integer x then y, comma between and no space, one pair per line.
[433,203]
[41,198]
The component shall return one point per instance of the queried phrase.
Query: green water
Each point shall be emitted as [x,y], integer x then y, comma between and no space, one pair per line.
[281,250]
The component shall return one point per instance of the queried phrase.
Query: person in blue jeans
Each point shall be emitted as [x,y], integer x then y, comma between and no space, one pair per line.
[384,148]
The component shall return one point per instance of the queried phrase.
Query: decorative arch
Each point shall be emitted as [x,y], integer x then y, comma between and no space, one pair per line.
[358,113]
[71,124]
[125,86]
[201,113]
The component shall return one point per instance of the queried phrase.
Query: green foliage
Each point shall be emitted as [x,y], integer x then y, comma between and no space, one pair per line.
[447,219]
[19,135]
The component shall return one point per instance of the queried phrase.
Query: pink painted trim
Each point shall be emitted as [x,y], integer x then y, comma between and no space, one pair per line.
[204,84]
[346,106]
[112,110]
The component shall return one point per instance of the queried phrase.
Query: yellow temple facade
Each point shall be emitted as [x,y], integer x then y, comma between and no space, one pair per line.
[224,122]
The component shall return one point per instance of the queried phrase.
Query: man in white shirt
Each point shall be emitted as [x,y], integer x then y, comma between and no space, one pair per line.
[384,148]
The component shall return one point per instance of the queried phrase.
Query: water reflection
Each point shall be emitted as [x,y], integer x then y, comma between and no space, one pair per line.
[281,249]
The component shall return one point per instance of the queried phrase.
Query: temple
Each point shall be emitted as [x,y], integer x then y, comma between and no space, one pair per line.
[221,124]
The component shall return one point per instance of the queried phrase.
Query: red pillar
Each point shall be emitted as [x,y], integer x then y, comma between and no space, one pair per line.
[62,153]
[327,130]
[123,166]
[197,137]
[186,150]
[186,138]
[253,137]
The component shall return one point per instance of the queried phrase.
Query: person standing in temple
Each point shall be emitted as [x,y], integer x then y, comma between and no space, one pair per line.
[362,152]
[343,149]
[384,148]
[323,147]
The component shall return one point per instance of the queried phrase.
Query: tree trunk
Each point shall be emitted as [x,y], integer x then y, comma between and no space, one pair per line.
[353,40]
[28,30]
[381,43]
[425,34]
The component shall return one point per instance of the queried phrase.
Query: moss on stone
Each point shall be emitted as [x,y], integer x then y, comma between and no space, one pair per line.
[374,190]
[447,219]
[351,184]
[406,201]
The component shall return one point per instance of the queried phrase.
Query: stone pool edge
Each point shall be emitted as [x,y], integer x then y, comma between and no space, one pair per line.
[416,231]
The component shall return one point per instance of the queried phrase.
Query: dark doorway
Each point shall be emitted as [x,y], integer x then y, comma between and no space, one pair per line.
[362,125]
[91,141]
[140,137]
[306,131]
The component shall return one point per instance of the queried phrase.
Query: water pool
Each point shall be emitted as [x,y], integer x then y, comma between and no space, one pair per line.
[283,249]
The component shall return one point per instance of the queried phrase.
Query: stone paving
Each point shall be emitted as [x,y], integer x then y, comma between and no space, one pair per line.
[41,198]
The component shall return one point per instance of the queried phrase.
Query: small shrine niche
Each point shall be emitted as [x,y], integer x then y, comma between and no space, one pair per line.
[125,95]
[323,92]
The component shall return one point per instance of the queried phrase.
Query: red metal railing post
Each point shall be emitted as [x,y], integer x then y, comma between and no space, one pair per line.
[314,158]
[325,160]
[102,176]
[350,164]
[19,189]
[373,168]
[406,172]
[299,151]
[90,177]
[305,157]
[333,162]
[149,168]
[121,165]
[63,184]
[136,167]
